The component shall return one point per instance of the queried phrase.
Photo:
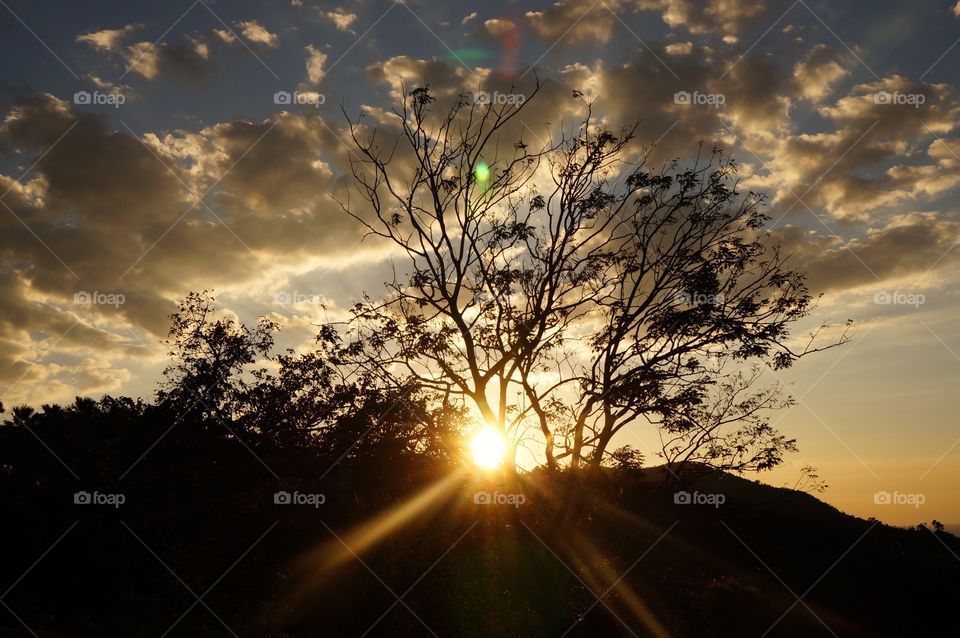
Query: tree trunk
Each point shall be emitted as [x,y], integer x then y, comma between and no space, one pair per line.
[603,439]
[596,459]
[577,453]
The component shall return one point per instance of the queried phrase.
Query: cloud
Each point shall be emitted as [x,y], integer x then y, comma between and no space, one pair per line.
[150,60]
[574,21]
[679,48]
[816,74]
[641,89]
[225,36]
[929,180]
[872,159]
[112,213]
[316,59]
[188,55]
[108,39]
[910,245]
[446,81]
[110,87]
[342,19]
[255,33]
[28,327]
[498,27]
[758,99]
[725,16]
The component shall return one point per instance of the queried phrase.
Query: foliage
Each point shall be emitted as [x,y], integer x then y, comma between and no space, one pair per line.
[574,293]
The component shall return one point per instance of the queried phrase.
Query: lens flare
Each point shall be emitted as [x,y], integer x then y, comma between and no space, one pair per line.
[482,172]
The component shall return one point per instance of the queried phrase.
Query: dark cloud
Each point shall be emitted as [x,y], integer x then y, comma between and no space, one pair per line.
[103,211]
[911,245]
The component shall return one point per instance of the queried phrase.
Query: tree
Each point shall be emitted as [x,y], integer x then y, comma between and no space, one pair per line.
[598,292]
[810,481]
[318,399]
[22,415]
[227,372]
[210,354]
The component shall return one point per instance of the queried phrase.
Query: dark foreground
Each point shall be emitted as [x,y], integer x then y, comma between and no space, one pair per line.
[399,547]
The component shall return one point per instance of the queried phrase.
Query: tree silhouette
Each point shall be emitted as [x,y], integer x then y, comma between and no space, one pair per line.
[209,355]
[225,375]
[569,289]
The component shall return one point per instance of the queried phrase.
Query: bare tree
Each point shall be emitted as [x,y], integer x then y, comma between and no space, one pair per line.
[695,287]
[568,289]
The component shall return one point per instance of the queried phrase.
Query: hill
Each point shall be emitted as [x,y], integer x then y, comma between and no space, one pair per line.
[402,545]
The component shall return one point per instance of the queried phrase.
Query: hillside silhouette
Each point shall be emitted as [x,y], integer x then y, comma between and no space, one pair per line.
[196,504]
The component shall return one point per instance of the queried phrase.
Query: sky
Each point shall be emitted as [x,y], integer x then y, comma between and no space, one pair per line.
[150,149]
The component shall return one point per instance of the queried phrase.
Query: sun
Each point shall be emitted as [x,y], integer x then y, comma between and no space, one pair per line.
[488,448]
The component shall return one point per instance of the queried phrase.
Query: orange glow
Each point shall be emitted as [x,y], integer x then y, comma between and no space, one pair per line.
[488,448]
